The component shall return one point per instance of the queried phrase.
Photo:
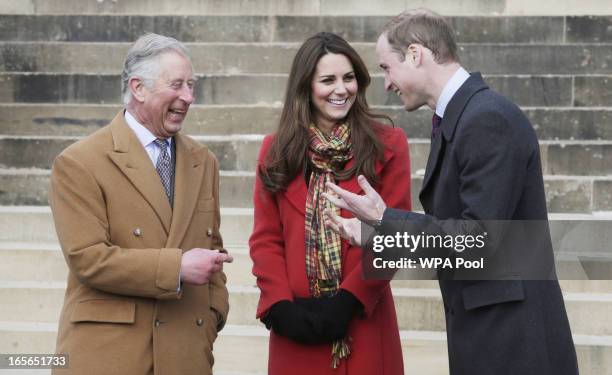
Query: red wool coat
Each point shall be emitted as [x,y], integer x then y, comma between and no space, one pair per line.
[277,249]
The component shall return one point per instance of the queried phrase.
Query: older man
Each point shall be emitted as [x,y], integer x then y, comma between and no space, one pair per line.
[136,211]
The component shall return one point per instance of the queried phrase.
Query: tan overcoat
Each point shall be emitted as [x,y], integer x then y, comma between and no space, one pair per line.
[123,312]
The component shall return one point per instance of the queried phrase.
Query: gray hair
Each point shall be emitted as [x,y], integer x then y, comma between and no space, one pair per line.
[142,60]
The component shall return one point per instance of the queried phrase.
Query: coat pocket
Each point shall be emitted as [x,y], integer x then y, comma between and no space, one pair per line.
[104,311]
[207,204]
[492,292]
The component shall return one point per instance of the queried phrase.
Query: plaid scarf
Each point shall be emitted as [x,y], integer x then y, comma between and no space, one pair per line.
[323,246]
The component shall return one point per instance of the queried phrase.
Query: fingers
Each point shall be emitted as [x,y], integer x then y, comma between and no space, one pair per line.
[345,195]
[332,220]
[345,199]
[216,267]
[219,256]
[335,188]
[338,224]
[223,258]
[336,201]
[349,229]
[367,188]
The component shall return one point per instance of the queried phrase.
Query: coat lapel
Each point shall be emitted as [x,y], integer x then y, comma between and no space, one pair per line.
[132,159]
[187,182]
[296,193]
[453,112]
[432,161]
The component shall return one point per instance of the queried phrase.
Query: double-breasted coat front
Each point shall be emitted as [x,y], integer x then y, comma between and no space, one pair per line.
[123,311]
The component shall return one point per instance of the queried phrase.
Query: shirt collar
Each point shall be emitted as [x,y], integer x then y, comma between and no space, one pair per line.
[451,87]
[143,134]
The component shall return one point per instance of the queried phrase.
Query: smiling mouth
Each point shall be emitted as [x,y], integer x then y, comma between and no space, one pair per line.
[177,111]
[337,101]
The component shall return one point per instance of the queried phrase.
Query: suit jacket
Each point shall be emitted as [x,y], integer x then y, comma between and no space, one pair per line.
[485,165]
[279,263]
[123,311]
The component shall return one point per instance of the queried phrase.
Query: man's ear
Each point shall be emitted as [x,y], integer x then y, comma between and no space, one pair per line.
[414,54]
[137,88]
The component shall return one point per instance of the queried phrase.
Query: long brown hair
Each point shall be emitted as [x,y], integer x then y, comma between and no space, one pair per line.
[287,155]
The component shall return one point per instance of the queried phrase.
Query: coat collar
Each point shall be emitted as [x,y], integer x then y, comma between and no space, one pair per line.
[297,191]
[453,112]
[455,106]
[132,159]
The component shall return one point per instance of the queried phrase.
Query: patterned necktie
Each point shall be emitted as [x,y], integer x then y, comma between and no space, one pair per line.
[435,125]
[164,167]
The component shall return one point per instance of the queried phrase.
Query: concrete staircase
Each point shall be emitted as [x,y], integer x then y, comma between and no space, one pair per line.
[59,81]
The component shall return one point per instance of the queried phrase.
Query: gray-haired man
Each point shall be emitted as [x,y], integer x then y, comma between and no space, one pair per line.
[136,210]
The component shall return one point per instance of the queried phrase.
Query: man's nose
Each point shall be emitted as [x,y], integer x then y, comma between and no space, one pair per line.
[187,94]
[387,83]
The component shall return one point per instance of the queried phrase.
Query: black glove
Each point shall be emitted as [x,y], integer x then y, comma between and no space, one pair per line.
[293,321]
[333,314]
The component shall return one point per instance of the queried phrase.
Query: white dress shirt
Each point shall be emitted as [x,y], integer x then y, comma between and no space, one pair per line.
[146,138]
[451,87]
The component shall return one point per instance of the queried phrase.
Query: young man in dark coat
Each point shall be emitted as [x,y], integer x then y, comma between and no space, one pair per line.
[484,164]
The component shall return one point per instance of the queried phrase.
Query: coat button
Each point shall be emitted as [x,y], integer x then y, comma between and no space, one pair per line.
[199,322]
[137,232]
[209,232]
[157,323]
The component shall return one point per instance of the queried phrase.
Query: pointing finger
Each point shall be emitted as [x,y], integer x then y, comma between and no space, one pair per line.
[338,190]
[338,202]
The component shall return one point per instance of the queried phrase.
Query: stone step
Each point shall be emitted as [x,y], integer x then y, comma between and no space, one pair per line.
[423,351]
[35,224]
[249,29]
[239,153]
[38,119]
[44,262]
[578,194]
[107,57]
[48,372]
[268,89]
[310,8]
[417,309]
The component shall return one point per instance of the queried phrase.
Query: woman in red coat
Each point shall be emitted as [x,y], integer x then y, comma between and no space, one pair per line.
[324,317]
